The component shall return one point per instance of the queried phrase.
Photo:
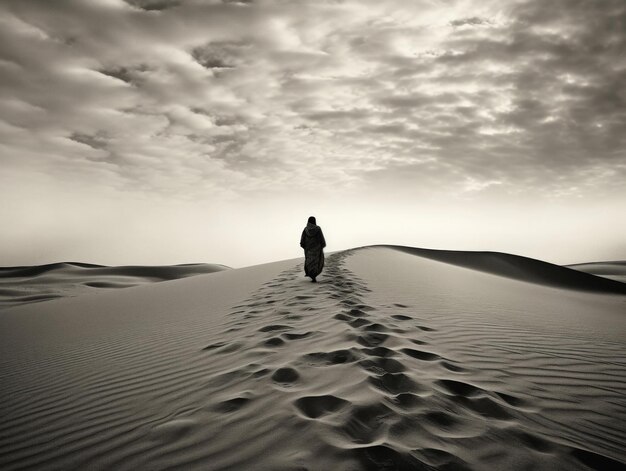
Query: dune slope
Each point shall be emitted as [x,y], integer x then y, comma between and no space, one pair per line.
[613,270]
[22,285]
[522,268]
[391,361]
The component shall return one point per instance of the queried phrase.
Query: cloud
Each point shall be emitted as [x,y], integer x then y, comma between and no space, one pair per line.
[220,97]
[153,5]
[471,22]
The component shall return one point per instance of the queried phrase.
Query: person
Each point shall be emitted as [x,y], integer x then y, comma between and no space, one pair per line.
[313,243]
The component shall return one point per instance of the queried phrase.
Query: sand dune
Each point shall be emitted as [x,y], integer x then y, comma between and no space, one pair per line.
[526,269]
[21,285]
[391,361]
[612,270]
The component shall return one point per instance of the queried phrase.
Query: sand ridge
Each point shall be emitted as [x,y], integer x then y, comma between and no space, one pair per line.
[526,269]
[615,270]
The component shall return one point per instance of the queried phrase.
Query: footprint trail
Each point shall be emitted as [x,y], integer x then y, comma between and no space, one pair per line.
[354,385]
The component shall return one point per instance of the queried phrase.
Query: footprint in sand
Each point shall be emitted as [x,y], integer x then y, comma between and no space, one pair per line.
[395,383]
[420,355]
[459,388]
[274,342]
[315,407]
[294,336]
[486,407]
[382,365]
[274,327]
[356,313]
[477,400]
[356,323]
[372,339]
[407,401]
[285,376]
[366,423]
[385,457]
[382,352]
[375,327]
[336,357]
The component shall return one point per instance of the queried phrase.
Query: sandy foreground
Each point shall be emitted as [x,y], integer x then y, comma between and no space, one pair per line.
[398,358]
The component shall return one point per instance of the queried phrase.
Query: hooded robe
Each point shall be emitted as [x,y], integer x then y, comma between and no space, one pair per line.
[313,242]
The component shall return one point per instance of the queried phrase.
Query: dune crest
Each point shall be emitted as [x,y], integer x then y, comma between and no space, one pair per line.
[615,270]
[521,268]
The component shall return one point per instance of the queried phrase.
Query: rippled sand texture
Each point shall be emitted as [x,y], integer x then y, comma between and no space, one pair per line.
[391,361]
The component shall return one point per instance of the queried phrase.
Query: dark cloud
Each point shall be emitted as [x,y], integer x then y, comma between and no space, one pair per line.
[471,21]
[153,5]
[130,75]
[93,141]
[220,54]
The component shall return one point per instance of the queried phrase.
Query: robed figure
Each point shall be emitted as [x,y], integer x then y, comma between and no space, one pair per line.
[313,243]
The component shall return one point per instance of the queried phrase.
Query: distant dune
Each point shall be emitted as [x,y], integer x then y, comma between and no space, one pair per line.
[613,270]
[20,285]
[532,270]
[397,359]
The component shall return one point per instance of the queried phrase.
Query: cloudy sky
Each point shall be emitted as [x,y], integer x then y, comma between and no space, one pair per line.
[173,131]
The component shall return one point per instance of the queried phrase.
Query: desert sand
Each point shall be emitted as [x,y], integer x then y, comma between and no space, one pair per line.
[398,358]
[22,285]
[612,270]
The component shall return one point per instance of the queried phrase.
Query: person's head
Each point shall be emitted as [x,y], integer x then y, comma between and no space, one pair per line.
[312,220]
